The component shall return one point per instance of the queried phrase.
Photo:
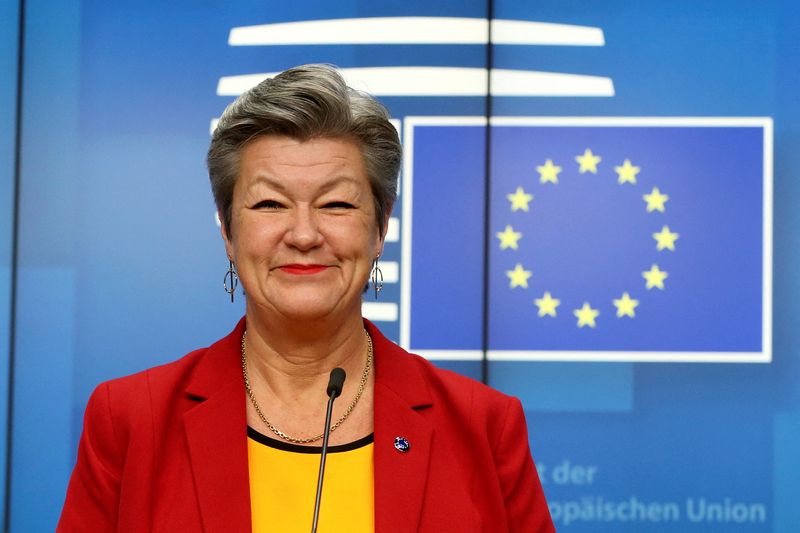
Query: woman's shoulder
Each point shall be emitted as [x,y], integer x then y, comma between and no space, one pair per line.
[125,406]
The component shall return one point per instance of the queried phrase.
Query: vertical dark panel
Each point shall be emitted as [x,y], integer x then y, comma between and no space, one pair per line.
[487,196]
[44,287]
[11,67]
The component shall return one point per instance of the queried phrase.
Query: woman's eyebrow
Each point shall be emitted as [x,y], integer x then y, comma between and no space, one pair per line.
[336,181]
[325,187]
[262,179]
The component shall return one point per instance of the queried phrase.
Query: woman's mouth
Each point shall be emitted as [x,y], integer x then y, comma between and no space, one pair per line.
[302,269]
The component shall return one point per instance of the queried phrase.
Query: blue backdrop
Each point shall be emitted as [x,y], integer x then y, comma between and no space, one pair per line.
[676,408]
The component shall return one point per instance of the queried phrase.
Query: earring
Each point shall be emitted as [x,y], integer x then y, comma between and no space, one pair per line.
[231,276]
[377,278]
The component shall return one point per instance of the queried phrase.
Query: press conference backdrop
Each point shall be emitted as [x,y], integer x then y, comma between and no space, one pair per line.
[598,200]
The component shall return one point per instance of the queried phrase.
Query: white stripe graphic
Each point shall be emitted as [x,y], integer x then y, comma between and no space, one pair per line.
[545,33]
[390,270]
[448,81]
[416,30]
[450,355]
[379,311]
[629,357]
[393,231]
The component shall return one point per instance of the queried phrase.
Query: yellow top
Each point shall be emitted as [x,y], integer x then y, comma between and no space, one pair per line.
[283,486]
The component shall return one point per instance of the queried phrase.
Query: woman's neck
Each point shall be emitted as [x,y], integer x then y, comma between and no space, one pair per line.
[290,358]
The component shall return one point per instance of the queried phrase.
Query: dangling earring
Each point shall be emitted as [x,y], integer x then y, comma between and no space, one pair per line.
[231,276]
[377,278]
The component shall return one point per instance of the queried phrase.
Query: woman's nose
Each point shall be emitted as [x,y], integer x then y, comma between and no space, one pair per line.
[304,231]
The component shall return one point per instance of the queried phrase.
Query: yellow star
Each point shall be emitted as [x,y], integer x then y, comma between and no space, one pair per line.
[547,305]
[588,162]
[627,172]
[655,277]
[508,238]
[655,200]
[626,305]
[548,172]
[665,239]
[586,315]
[519,200]
[518,277]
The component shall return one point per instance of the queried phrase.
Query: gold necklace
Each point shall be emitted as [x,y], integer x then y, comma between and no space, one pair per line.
[361,386]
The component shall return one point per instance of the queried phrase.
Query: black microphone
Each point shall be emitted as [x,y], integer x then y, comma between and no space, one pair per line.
[335,385]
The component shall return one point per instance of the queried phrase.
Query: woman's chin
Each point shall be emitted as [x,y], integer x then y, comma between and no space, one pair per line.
[312,307]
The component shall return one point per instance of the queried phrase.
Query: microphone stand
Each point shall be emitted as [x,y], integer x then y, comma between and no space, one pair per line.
[335,385]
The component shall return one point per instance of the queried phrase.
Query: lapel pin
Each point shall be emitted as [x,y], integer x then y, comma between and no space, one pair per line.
[401,444]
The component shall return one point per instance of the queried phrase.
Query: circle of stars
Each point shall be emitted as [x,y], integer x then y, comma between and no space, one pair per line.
[627,175]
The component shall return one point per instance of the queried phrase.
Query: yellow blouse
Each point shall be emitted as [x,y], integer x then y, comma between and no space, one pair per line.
[283,485]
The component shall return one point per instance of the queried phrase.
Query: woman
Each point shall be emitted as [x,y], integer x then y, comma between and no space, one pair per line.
[226,439]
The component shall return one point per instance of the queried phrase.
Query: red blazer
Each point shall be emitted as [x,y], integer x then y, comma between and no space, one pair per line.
[166,450]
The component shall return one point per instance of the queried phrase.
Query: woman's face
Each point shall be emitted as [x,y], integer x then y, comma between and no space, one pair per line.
[303,234]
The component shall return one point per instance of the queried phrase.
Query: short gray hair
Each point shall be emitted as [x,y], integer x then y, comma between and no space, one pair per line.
[303,103]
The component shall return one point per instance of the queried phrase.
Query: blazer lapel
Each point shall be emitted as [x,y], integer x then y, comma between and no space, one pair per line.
[400,476]
[216,430]
[217,438]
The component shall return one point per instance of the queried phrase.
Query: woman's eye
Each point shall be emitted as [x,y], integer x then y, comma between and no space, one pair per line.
[267,204]
[339,205]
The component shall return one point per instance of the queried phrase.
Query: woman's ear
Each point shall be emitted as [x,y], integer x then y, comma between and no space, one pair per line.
[382,234]
[225,232]
[385,228]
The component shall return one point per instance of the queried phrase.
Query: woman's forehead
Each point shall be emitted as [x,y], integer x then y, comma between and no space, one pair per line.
[282,162]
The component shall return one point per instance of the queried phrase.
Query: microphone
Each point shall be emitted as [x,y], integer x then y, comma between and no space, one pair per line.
[335,385]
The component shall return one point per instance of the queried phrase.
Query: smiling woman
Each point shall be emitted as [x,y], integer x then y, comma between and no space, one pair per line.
[304,173]
[303,234]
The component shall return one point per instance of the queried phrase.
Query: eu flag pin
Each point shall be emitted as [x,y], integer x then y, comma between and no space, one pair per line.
[401,444]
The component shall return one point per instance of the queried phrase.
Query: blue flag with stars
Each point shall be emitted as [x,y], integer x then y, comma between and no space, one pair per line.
[630,241]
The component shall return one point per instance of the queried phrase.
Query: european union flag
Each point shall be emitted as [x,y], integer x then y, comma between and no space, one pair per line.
[637,239]
[611,239]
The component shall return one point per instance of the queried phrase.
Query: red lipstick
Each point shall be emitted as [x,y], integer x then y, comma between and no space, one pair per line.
[302,269]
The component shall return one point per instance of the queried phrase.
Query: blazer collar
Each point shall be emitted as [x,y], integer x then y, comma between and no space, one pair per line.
[220,364]
[216,431]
